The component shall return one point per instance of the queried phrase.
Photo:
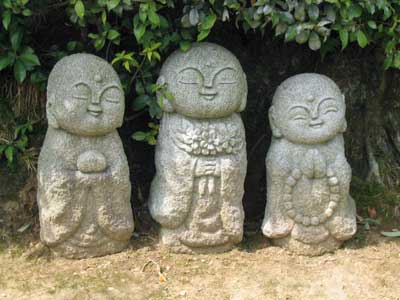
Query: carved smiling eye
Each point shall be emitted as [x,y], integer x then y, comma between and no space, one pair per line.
[298,113]
[81,91]
[190,76]
[111,94]
[226,76]
[328,105]
[330,109]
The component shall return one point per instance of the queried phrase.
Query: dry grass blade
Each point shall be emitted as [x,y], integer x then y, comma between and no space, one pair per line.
[161,276]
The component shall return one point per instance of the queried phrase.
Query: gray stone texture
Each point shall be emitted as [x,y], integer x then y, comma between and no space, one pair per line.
[83,174]
[196,195]
[309,209]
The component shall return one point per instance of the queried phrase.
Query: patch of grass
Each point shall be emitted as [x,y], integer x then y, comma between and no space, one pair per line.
[374,195]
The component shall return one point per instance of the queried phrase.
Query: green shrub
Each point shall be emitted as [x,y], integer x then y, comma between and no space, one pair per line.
[137,35]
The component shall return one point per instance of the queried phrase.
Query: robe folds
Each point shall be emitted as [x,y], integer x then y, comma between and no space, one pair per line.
[183,145]
[74,206]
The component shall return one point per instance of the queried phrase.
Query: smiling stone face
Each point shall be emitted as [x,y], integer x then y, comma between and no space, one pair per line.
[85,96]
[308,109]
[207,82]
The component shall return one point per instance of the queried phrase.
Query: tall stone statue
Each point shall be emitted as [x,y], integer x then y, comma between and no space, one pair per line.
[197,193]
[83,174]
[309,209]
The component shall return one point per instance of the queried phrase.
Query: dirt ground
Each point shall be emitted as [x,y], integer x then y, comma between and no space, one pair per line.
[368,267]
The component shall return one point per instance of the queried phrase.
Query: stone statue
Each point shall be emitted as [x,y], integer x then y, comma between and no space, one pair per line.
[309,209]
[201,162]
[83,174]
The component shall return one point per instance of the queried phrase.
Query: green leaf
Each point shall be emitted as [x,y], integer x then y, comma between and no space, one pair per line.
[27,12]
[5,61]
[139,31]
[313,12]
[208,22]
[391,233]
[30,58]
[202,35]
[194,16]
[362,39]
[15,39]
[111,4]
[355,11]
[184,45]
[344,38]
[388,62]
[141,102]
[280,29]
[291,33]
[151,140]
[19,71]
[112,34]
[9,152]
[153,17]
[372,24]
[286,17]
[314,41]
[139,136]
[103,17]
[396,61]
[99,43]
[303,36]
[71,45]
[79,9]
[300,13]
[6,19]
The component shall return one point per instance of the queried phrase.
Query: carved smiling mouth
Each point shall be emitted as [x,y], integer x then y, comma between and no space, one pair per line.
[208,96]
[94,113]
[316,125]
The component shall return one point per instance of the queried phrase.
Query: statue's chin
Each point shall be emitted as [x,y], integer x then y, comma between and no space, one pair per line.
[311,140]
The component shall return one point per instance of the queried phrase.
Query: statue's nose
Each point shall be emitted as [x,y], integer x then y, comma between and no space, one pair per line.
[316,122]
[94,107]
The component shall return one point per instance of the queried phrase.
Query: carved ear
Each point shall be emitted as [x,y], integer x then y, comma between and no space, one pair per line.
[244,97]
[164,103]
[275,130]
[51,118]
[344,126]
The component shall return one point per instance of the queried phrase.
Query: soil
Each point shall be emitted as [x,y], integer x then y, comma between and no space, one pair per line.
[368,267]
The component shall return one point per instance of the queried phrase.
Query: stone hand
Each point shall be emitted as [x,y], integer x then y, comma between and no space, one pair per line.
[91,161]
[92,178]
[206,167]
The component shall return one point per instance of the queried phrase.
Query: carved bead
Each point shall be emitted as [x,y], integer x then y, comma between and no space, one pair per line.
[332,205]
[288,189]
[291,181]
[306,221]
[298,218]
[335,197]
[315,221]
[328,212]
[288,205]
[335,189]
[291,213]
[333,181]
[287,198]
[296,174]
[322,219]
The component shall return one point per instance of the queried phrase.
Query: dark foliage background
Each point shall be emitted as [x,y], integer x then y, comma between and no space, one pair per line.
[356,43]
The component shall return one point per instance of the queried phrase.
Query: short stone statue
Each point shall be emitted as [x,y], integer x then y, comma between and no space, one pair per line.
[309,209]
[83,174]
[201,162]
